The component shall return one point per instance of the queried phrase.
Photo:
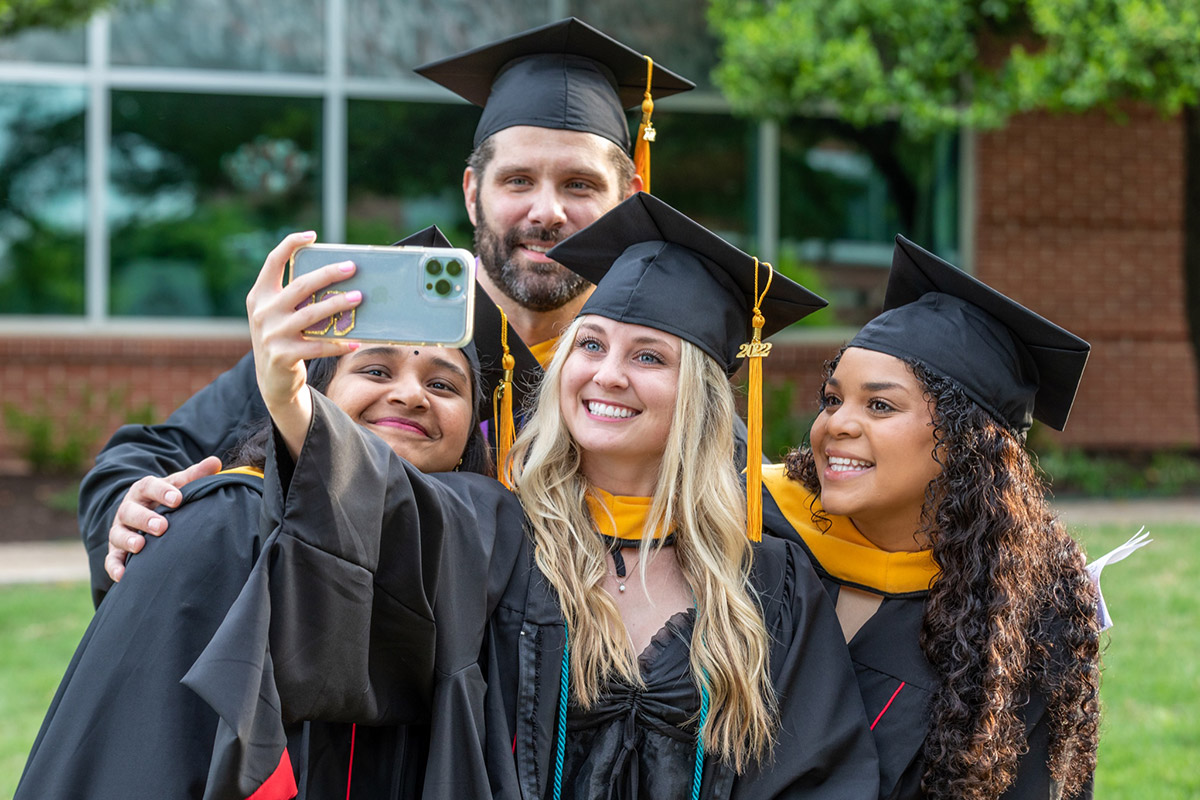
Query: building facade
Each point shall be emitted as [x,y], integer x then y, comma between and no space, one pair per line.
[150,159]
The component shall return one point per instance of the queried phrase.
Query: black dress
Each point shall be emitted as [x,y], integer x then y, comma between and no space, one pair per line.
[896,680]
[371,596]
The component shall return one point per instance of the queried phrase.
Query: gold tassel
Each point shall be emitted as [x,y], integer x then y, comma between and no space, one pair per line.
[502,406]
[755,350]
[646,132]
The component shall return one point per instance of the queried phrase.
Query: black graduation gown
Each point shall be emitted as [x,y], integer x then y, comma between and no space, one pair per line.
[122,725]
[366,578]
[897,682]
[210,423]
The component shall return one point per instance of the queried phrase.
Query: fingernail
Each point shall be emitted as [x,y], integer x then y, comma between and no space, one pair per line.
[347,267]
[130,542]
[155,525]
[354,296]
[352,346]
[309,234]
[173,498]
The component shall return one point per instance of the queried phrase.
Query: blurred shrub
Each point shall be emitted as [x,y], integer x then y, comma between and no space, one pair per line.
[1119,474]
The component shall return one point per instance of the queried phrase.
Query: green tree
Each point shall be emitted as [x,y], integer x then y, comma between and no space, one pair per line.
[935,65]
[19,15]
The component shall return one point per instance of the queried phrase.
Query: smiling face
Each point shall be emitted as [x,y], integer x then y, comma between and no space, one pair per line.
[540,186]
[418,400]
[617,397]
[873,447]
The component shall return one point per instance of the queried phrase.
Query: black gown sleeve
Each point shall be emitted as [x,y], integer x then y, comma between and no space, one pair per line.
[824,747]
[369,604]
[209,423]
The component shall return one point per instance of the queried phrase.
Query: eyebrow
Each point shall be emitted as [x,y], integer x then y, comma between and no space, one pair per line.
[643,339]
[872,386]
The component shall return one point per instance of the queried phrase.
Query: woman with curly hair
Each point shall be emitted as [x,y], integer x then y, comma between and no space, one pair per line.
[966,605]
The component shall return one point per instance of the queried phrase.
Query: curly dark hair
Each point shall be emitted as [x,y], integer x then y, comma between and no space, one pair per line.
[1013,609]
[251,448]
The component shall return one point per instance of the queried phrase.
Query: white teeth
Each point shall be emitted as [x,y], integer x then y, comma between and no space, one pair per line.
[536,249]
[842,464]
[605,410]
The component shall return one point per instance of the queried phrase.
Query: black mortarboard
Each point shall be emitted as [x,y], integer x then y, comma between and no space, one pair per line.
[1013,362]
[566,75]
[653,266]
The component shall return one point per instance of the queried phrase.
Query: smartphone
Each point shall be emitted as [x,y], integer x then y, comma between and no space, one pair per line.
[411,295]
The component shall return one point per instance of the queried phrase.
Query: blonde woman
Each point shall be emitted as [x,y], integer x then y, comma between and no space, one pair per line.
[640,644]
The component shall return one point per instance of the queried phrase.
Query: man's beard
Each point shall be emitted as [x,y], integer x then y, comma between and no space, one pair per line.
[536,286]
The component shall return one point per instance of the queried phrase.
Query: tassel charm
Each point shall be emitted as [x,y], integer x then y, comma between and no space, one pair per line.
[755,350]
[502,406]
[646,133]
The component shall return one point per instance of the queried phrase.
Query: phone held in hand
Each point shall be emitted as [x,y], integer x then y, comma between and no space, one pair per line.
[411,295]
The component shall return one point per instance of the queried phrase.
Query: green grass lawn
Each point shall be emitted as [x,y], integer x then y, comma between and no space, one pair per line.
[1150,734]
[1151,691]
[39,628]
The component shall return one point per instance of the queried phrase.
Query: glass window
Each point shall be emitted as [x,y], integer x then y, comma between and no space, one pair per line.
[201,188]
[676,33]
[45,45]
[845,194]
[389,39]
[405,168]
[261,35]
[703,165]
[42,199]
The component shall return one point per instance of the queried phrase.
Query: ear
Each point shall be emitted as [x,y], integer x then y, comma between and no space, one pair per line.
[471,193]
[635,186]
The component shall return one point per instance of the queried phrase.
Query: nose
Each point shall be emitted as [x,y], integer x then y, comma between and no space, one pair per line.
[610,373]
[842,422]
[546,208]
[408,391]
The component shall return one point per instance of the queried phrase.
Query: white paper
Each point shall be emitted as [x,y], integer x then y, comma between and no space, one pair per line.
[1138,540]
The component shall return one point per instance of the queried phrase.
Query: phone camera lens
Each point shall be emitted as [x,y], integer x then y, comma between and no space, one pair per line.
[453,268]
[442,287]
[433,267]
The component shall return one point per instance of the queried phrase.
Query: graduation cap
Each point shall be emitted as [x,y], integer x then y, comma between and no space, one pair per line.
[1014,363]
[653,266]
[566,75]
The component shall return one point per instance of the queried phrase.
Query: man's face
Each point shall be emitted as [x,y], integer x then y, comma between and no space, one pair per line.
[540,186]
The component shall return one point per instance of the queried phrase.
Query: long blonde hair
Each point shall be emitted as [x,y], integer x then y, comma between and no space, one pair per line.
[698,496]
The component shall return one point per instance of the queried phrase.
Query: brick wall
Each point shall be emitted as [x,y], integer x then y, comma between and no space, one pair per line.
[95,382]
[1081,218]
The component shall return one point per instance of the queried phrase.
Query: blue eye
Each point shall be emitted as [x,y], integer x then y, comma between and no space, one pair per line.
[587,343]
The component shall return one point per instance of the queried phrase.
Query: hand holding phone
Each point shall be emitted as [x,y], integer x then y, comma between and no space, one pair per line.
[411,295]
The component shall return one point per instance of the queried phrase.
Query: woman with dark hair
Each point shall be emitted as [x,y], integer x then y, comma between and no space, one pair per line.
[122,724]
[967,607]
